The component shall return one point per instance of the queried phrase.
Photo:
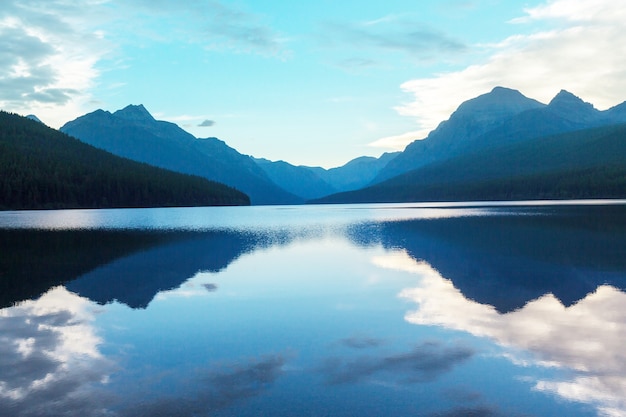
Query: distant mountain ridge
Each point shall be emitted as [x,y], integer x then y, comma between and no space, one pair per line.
[315,182]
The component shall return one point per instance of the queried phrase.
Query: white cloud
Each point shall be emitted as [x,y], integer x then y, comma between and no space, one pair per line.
[399,142]
[584,52]
[394,33]
[576,11]
[48,57]
[52,52]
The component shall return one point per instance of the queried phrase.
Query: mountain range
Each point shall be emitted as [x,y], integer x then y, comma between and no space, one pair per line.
[133,133]
[499,145]
[503,146]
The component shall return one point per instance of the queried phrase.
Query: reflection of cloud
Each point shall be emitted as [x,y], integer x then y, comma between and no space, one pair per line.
[49,358]
[238,382]
[479,411]
[193,287]
[216,388]
[586,337]
[361,342]
[462,395]
[424,363]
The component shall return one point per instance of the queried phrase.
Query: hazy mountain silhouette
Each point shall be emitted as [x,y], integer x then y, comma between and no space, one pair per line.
[133,133]
[298,180]
[356,173]
[314,182]
[508,259]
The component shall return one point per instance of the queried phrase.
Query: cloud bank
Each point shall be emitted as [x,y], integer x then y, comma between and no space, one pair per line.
[48,57]
[53,52]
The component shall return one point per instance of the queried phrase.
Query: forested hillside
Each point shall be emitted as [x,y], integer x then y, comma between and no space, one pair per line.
[44,168]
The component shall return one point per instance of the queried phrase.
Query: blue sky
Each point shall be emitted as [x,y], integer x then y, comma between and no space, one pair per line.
[312,83]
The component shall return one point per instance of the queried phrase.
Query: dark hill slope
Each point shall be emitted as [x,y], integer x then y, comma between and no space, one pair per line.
[589,163]
[133,133]
[44,168]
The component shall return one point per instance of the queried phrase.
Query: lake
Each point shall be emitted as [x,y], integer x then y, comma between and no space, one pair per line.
[437,310]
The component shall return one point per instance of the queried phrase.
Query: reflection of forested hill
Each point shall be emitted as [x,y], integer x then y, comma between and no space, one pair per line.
[105,265]
[32,261]
[136,279]
[507,260]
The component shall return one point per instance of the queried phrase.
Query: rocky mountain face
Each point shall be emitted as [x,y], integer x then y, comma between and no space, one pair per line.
[500,116]
[133,133]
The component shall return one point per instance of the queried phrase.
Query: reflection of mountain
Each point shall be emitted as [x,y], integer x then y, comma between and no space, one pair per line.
[128,266]
[135,280]
[506,260]
[32,261]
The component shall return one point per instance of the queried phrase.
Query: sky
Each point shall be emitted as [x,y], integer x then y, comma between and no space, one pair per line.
[314,83]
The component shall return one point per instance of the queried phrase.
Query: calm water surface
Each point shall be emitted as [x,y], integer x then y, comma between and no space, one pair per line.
[357,310]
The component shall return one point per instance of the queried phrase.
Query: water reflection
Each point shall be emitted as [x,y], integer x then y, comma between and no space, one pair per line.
[33,261]
[130,266]
[510,308]
[136,279]
[423,363]
[213,389]
[507,259]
